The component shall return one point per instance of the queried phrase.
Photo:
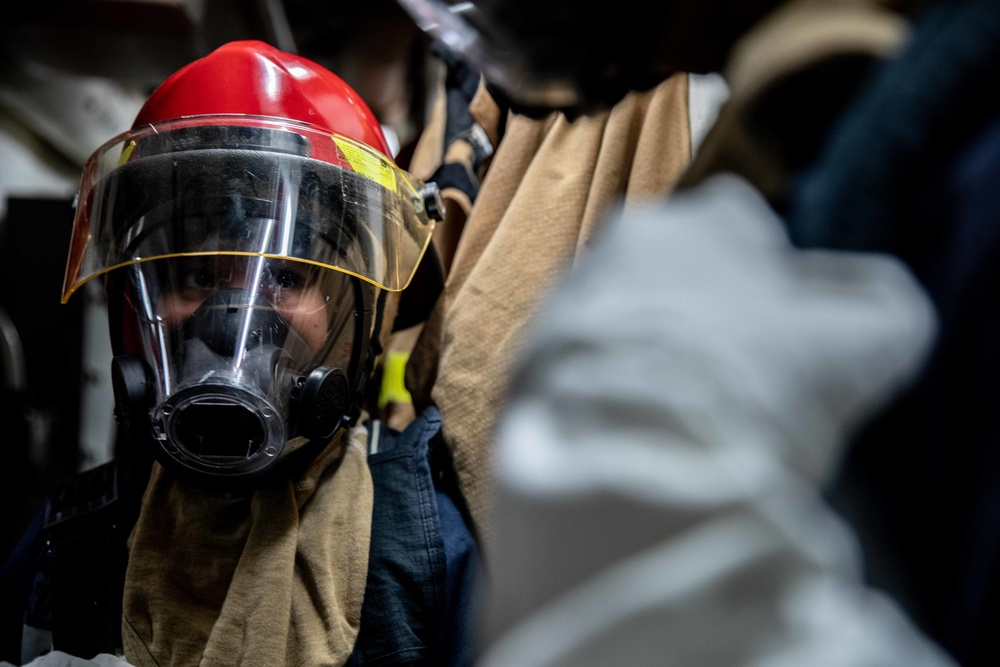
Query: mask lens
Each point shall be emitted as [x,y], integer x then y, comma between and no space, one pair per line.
[219,430]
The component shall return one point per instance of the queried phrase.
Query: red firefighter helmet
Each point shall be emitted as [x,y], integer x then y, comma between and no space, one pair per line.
[254,78]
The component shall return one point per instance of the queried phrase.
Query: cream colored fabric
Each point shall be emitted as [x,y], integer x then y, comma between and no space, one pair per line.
[794,40]
[272,578]
[548,188]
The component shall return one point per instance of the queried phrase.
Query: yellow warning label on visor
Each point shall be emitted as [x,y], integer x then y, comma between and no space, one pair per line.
[368,164]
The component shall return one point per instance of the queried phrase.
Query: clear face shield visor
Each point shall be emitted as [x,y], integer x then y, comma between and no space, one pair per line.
[137,192]
[244,253]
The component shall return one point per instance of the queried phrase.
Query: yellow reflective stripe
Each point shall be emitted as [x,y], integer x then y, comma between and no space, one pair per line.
[368,164]
[69,289]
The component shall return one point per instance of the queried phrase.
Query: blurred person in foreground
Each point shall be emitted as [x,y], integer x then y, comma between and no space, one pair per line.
[254,237]
[805,324]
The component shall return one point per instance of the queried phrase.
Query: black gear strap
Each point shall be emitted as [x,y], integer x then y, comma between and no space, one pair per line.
[81,525]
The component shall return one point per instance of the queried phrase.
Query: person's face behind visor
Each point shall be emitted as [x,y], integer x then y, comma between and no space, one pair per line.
[298,292]
[225,317]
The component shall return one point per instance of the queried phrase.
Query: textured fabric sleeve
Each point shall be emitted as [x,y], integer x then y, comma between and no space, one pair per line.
[549,186]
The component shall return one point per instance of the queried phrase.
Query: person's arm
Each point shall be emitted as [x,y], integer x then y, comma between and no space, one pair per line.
[679,406]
